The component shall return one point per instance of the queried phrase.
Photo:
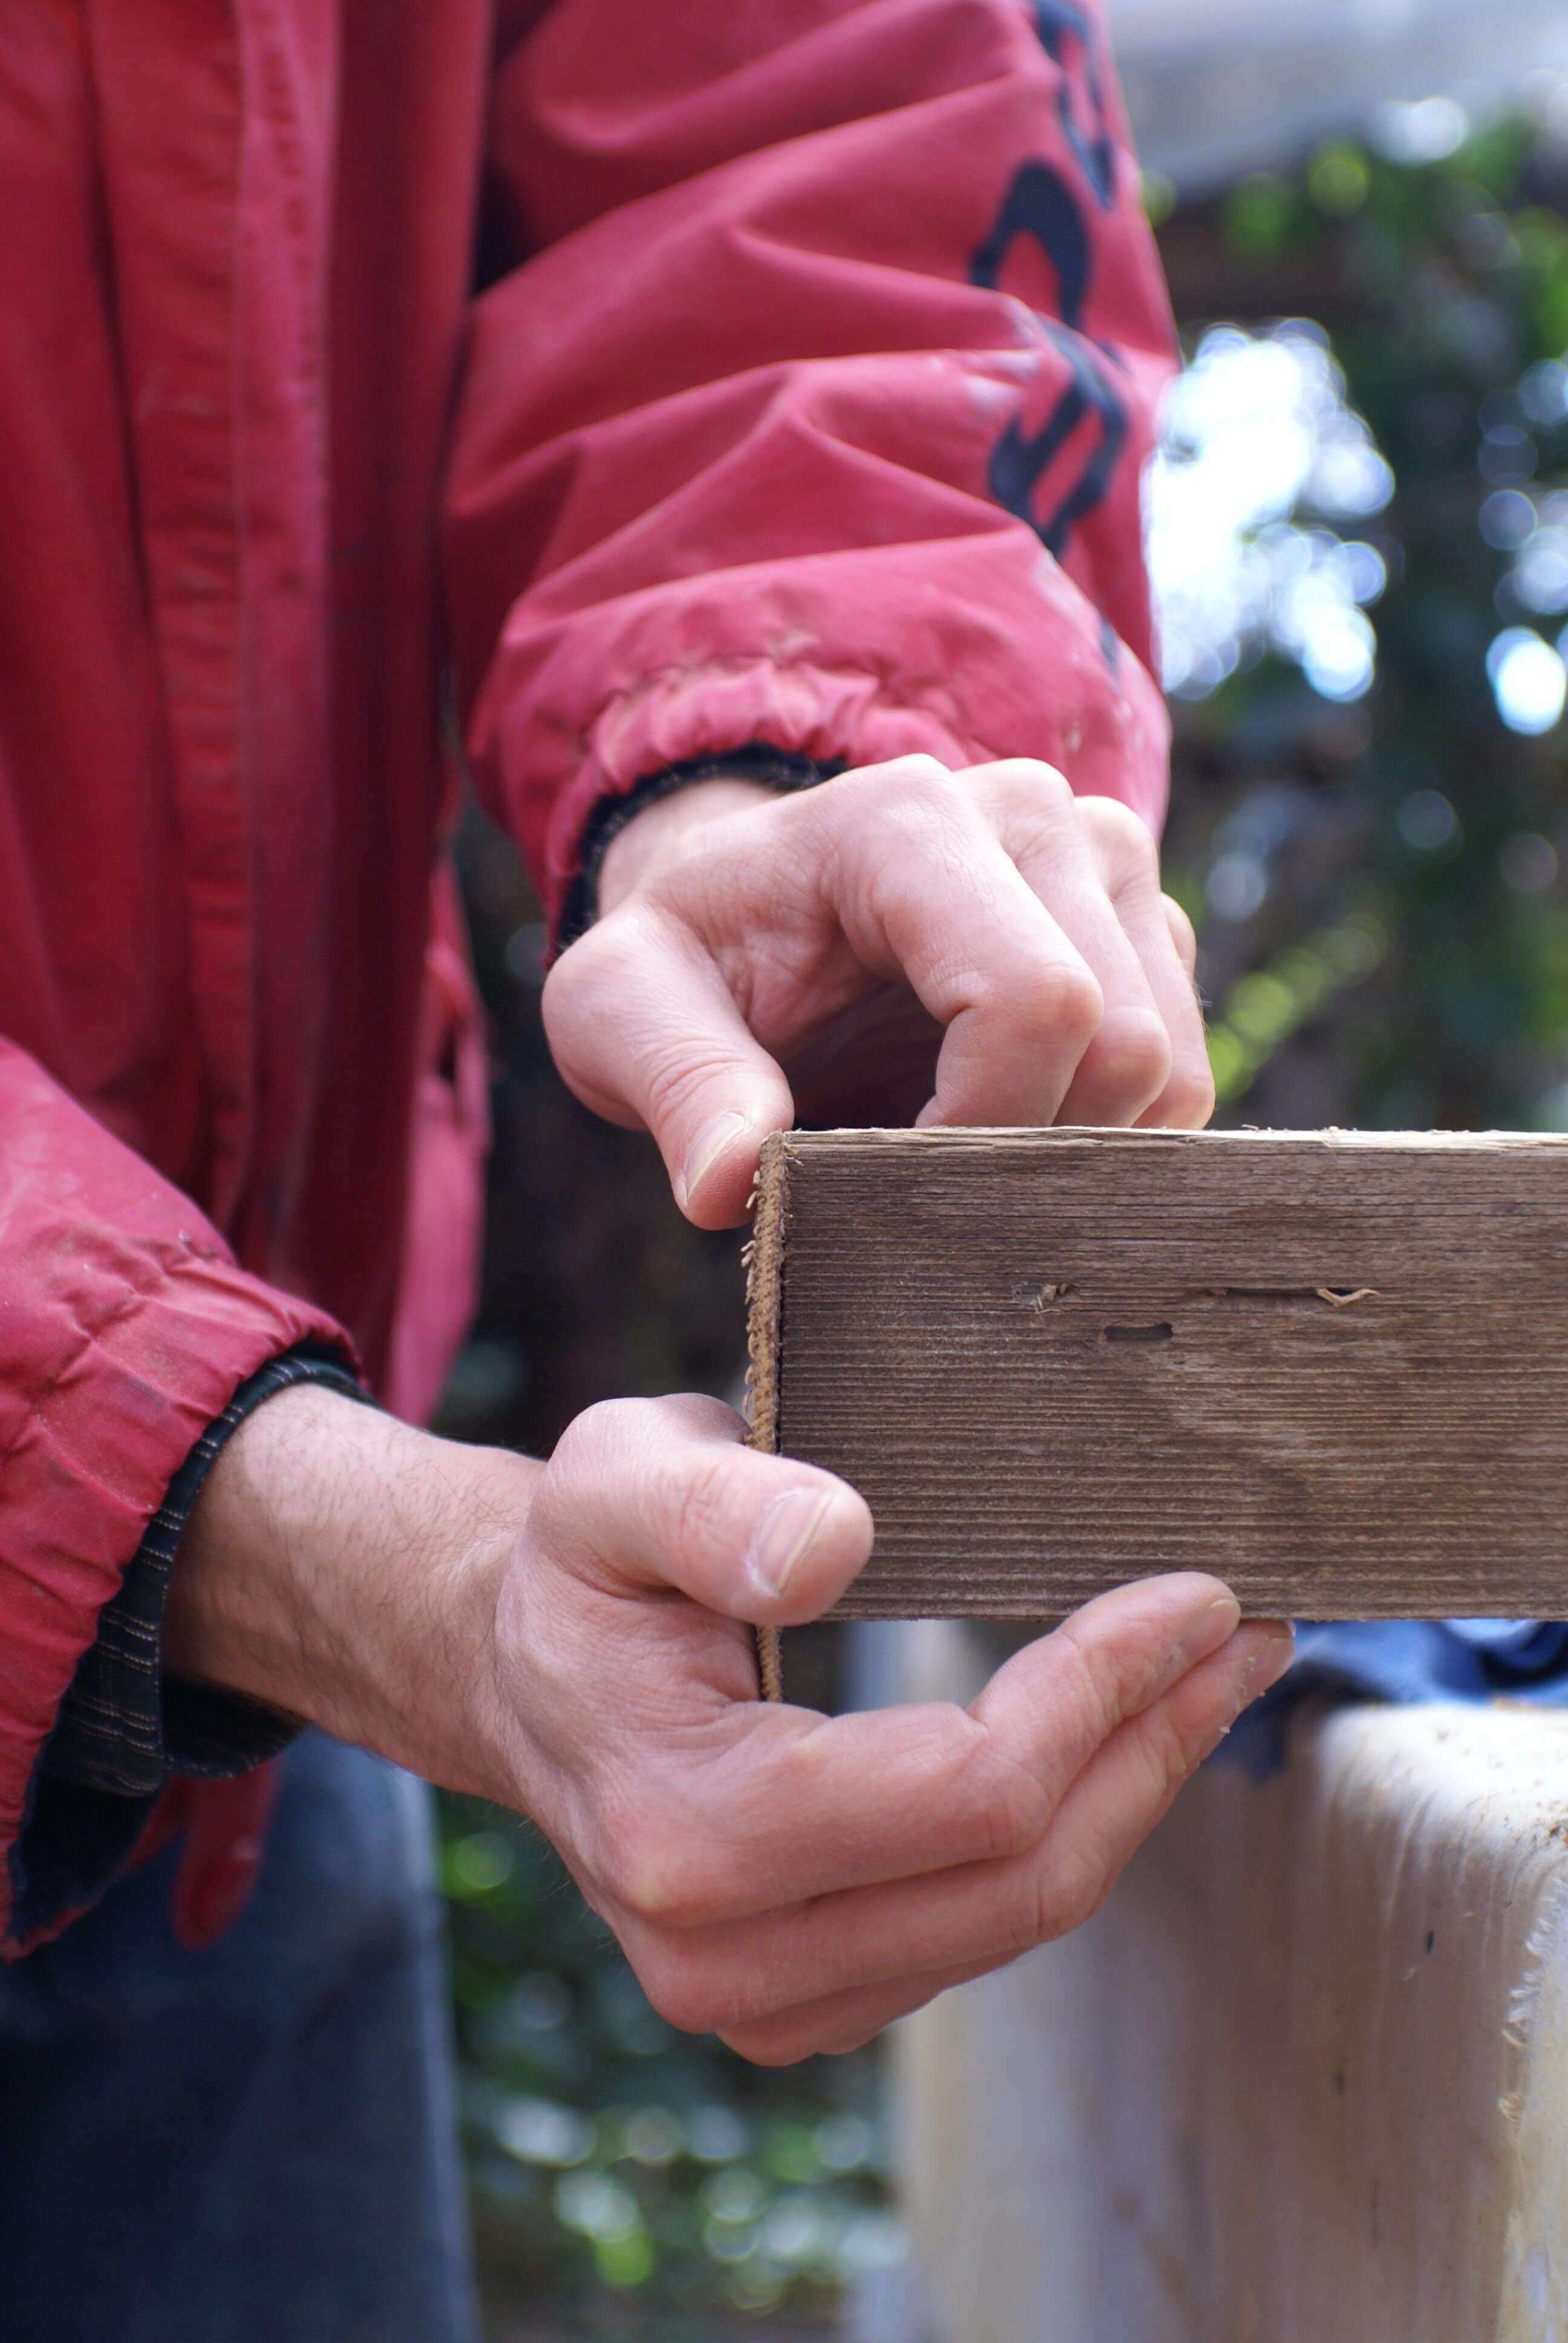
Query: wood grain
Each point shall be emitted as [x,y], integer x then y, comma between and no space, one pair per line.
[1331,1367]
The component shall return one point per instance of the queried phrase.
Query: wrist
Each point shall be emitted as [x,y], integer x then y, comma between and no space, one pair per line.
[670,827]
[344,1569]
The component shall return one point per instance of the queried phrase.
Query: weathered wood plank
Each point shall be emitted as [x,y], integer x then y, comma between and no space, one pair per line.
[1331,1367]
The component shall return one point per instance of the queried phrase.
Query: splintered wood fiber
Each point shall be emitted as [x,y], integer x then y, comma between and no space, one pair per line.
[1332,1368]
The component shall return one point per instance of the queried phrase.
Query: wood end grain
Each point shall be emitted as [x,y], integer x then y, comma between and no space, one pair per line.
[764,1257]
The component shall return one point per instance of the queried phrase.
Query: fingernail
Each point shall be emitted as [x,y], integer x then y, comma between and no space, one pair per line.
[1213,1626]
[783,1539]
[1268,1666]
[711,1143]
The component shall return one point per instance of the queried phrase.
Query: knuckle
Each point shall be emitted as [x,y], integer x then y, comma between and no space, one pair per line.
[665,1890]
[1188,1101]
[762,2047]
[1030,783]
[1017,1811]
[582,1447]
[1125,836]
[588,1432]
[1183,934]
[1066,1894]
[1093,1684]
[1067,1003]
[1131,1056]
[918,784]
[926,774]
[920,835]
[562,985]
[607,955]
[649,1869]
[918,826]
[677,1990]
[1169,1755]
[861,2040]
[1010,1804]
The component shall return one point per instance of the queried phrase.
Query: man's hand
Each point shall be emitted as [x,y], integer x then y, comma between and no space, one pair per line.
[982,942]
[568,1639]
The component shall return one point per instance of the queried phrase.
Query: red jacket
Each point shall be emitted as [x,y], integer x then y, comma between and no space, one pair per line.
[804,404]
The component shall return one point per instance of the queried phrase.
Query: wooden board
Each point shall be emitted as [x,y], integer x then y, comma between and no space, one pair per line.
[1331,1367]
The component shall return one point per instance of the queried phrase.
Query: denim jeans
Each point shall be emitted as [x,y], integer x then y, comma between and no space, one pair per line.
[256,2143]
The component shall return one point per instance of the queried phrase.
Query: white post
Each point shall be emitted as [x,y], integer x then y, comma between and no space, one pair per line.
[1306,2080]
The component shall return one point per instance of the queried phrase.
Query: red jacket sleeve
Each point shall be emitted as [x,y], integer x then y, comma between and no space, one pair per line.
[124,1329]
[814,416]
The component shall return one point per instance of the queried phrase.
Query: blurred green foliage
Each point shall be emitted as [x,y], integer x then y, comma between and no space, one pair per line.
[628,2175]
[1406,959]
[1397,954]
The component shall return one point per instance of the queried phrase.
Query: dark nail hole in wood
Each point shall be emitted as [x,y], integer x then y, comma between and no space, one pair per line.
[1038,1298]
[1161,1333]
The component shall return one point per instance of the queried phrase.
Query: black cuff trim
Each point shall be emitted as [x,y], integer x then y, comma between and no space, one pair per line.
[122,1726]
[122,1730]
[757,761]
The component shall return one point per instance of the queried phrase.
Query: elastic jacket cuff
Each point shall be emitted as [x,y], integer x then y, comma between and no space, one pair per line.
[125,1729]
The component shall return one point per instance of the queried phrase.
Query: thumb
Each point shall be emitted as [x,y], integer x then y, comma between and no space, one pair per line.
[659,1493]
[645,1031]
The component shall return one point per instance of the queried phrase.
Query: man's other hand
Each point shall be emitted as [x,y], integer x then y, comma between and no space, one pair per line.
[571,1640]
[903,941]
